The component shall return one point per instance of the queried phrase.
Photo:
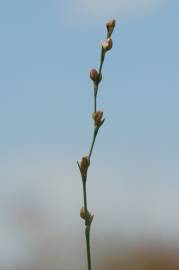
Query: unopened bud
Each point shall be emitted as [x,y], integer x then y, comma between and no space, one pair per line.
[97,116]
[84,164]
[82,213]
[95,77]
[88,217]
[107,44]
[110,26]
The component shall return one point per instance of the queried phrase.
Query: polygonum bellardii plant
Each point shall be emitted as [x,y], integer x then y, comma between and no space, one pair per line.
[97,116]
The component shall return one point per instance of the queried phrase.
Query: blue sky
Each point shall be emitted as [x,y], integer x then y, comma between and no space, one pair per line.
[45,64]
[47,49]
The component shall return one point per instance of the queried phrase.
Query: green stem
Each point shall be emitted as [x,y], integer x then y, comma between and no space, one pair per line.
[85,199]
[87,233]
[93,141]
[87,229]
[99,72]
[101,61]
[84,177]
[95,98]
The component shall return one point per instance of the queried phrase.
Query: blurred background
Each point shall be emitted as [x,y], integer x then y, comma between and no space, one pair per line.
[47,49]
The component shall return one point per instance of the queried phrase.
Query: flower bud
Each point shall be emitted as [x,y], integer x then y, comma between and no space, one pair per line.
[107,44]
[95,77]
[110,27]
[97,116]
[84,164]
[82,213]
[88,217]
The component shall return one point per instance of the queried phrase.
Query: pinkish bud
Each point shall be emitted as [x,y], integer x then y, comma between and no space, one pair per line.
[110,26]
[95,77]
[107,44]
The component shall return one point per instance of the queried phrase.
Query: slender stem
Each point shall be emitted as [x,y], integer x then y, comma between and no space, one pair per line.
[84,176]
[85,199]
[101,61]
[99,72]
[87,229]
[95,99]
[93,141]
[101,65]
[87,233]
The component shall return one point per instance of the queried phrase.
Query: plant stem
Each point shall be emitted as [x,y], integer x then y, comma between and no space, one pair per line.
[88,226]
[95,98]
[99,72]
[101,61]
[87,233]
[87,215]
[87,229]
[85,199]
[93,141]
